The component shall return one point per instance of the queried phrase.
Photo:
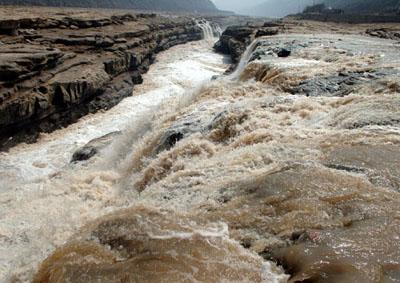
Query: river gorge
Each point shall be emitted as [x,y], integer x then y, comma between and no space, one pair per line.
[285,170]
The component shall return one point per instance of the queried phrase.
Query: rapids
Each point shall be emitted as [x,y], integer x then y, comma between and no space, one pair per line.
[293,160]
[44,199]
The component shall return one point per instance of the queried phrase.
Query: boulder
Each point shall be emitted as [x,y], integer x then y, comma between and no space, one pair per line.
[283,52]
[94,146]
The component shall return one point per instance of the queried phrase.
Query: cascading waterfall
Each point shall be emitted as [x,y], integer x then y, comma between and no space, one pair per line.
[209,32]
[244,59]
[218,30]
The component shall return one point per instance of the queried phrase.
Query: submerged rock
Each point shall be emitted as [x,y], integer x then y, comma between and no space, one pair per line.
[150,245]
[94,146]
[283,52]
[193,123]
[381,111]
[380,163]
[341,85]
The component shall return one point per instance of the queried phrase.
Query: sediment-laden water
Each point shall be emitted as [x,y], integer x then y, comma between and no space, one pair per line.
[291,160]
[44,199]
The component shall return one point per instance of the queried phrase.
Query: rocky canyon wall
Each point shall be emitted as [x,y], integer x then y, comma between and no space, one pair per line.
[56,66]
[154,5]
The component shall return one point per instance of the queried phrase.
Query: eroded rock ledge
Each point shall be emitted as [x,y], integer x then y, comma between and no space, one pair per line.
[56,68]
[235,39]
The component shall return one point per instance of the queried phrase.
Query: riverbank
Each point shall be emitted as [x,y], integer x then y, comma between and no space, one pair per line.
[58,65]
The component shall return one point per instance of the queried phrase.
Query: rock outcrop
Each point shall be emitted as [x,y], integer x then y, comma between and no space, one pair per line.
[153,5]
[93,147]
[235,39]
[56,68]
[385,33]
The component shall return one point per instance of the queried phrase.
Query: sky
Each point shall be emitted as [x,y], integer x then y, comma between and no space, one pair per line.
[236,5]
[270,8]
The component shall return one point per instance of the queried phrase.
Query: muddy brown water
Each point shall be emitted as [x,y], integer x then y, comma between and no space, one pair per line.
[260,181]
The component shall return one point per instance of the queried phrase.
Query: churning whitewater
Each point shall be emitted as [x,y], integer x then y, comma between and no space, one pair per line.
[45,199]
[291,159]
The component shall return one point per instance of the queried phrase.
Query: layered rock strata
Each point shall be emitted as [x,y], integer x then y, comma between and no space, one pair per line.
[55,69]
[235,39]
[152,5]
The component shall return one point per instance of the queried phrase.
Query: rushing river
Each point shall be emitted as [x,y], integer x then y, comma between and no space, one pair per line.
[44,198]
[292,158]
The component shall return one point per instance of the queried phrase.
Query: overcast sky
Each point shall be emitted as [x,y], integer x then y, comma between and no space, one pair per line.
[236,5]
[271,8]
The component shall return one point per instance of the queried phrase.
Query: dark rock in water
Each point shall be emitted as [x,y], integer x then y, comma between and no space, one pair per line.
[9,27]
[234,40]
[183,128]
[84,153]
[338,85]
[220,125]
[273,24]
[385,33]
[283,52]
[257,55]
[239,32]
[267,32]
[137,78]
[93,147]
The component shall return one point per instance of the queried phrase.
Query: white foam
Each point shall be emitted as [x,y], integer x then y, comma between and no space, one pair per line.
[44,199]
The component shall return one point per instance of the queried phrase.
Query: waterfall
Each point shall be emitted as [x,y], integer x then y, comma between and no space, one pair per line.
[244,59]
[209,31]
[218,30]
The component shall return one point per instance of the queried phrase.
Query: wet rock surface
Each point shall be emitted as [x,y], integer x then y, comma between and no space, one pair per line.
[235,39]
[340,85]
[93,147]
[385,33]
[55,68]
[146,244]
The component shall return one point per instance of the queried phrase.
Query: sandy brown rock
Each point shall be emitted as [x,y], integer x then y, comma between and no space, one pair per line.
[148,245]
[56,67]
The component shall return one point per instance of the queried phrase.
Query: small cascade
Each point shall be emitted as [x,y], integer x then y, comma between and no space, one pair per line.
[244,59]
[209,32]
[218,30]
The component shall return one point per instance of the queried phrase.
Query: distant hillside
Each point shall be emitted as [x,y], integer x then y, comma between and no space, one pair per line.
[159,5]
[366,6]
[281,8]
